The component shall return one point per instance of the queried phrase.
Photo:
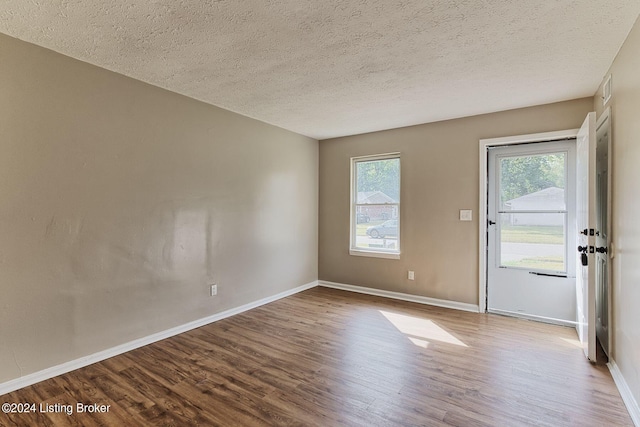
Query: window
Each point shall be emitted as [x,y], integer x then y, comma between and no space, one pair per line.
[375,206]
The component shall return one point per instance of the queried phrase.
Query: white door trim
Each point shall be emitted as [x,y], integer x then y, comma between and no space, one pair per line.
[482,217]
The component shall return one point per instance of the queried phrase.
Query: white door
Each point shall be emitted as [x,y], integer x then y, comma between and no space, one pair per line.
[585,216]
[603,227]
[531,217]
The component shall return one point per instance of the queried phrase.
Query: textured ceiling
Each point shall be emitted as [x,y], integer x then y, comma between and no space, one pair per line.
[340,67]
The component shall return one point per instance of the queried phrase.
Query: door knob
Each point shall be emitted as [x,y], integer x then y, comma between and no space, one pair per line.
[583,249]
[491,222]
[601,250]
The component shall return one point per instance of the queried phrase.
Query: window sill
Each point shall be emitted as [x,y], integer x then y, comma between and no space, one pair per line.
[374,254]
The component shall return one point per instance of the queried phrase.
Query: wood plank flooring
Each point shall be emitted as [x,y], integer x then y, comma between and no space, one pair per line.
[325,357]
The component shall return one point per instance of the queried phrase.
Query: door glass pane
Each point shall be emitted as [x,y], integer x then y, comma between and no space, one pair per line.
[533,241]
[534,182]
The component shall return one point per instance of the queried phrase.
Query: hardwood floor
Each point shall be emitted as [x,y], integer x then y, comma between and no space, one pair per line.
[332,358]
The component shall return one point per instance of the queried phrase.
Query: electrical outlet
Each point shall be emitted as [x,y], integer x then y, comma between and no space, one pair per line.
[214,290]
[412,275]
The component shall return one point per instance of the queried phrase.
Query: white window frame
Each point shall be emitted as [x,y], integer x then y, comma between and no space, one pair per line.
[371,252]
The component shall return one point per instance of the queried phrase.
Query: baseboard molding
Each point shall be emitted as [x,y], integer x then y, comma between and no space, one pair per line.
[401,296]
[625,392]
[542,319]
[72,365]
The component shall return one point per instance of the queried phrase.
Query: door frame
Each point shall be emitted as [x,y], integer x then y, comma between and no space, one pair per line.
[485,144]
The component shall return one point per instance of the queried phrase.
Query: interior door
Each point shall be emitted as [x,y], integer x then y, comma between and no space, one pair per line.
[531,232]
[603,227]
[585,218]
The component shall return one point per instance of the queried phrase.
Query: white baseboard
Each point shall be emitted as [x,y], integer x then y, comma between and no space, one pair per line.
[401,296]
[625,392]
[81,362]
[542,319]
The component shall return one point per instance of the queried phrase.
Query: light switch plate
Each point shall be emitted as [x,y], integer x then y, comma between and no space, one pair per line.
[466,215]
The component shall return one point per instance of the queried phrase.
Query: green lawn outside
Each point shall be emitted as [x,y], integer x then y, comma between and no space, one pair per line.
[553,263]
[548,234]
[510,233]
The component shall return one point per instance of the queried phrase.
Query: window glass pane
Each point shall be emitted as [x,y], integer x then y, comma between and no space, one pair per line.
[533,240]
[378,234]
[533,182]
[378,181]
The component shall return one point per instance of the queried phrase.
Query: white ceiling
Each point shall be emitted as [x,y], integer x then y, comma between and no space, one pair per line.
[341,67]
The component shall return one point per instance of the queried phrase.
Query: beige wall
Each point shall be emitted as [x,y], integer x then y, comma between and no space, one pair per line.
[439,177]
[625,119]
[120,202]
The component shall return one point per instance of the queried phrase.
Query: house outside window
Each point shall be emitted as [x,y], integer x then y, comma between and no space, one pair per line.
[375,206]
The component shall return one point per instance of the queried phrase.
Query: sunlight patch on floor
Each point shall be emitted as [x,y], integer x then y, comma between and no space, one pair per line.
[573,341]
[420,331]
[419,342]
